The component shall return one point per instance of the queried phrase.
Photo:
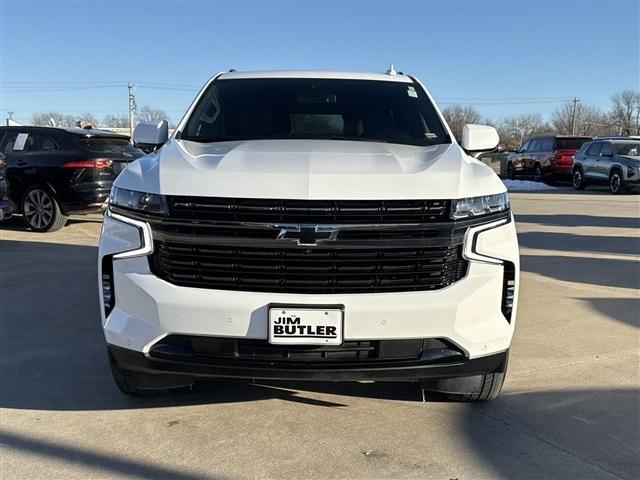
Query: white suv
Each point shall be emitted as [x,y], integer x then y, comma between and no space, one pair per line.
[310,226]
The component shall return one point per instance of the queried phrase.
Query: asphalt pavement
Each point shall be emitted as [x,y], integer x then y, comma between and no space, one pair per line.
[570,407]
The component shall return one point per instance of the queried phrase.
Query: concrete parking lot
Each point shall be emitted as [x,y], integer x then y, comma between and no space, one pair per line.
[570,407]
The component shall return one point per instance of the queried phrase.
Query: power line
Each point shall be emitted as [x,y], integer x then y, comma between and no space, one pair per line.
[513,102]
[28,89]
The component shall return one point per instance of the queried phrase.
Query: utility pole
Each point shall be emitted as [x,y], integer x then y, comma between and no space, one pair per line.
[10,118]
[573,115]
[132,108]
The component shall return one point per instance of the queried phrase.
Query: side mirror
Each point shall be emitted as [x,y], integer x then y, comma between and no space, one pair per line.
[479,138]
[151,134]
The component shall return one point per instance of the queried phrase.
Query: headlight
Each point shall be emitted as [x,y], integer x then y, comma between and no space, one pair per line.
[476,206]
[141,201]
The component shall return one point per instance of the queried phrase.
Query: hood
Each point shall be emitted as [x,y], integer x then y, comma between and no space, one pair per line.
[310,169]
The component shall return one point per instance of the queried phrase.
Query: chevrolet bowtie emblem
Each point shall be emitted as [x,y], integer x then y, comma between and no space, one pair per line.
[308,234]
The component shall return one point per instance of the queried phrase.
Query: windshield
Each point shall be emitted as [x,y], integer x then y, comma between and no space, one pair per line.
[362,110]
[632,149]
[570,143]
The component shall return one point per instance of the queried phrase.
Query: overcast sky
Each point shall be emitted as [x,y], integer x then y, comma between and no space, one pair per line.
[503,56]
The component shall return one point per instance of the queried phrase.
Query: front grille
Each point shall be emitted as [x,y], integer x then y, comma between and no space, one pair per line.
[308,269]
[219,349]
[242,210]
[308,246]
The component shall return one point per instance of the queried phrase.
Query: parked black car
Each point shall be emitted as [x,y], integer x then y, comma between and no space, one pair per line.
[54,172]
[613,161]
[5,202]
[547,157]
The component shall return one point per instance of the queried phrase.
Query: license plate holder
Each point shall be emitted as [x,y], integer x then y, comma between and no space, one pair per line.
[293,325]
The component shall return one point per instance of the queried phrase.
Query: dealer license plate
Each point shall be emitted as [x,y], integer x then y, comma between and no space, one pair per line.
[305,326]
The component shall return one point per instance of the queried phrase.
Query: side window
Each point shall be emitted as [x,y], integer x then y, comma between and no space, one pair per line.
[535,145]
[47,143]
[547,144]
[594,149]
[20,142]
[606,149]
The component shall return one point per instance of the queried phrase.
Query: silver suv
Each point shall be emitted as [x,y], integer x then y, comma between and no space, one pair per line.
[614,162]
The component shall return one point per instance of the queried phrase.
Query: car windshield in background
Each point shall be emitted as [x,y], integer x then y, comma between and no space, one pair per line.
[631,149]
[108,145]
[362,110]
[570,143]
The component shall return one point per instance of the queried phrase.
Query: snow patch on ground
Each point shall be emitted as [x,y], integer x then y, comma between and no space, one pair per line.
[526,186]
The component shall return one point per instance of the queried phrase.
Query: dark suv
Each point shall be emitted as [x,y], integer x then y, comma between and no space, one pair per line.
[54,172]
[545,158]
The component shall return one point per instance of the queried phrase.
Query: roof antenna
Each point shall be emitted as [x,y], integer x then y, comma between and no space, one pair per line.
[391,71]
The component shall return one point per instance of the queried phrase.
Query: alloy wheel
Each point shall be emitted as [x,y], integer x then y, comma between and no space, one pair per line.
[537,173]
[577,179]
[615,182]
[38,208]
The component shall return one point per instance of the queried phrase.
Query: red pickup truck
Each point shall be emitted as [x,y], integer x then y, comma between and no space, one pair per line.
[545,158]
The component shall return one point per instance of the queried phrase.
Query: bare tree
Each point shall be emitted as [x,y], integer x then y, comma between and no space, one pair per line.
[150,114]
[55,119]
[458,116]
[116,121]
[625,113]
[87,120]
[52,119]
[515,130]
[588,120]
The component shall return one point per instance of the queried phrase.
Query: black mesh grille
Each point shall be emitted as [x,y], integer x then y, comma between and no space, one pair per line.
[307,211]
[308,270]
[215,349]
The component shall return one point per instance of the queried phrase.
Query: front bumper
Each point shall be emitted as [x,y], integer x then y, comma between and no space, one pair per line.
[633,183]
[144,308]
[399,371]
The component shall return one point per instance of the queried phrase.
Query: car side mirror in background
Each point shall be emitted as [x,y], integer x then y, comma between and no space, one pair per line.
[150,136]
[479,138]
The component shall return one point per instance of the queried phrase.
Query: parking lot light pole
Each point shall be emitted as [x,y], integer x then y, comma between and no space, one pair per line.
[132,108]
[573,115]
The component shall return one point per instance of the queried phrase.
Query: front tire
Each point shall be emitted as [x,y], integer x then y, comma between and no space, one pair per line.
[41,211]
[537,173]
[511,174]
[491,387]
[488,389]
[616,182]
[136,384]
[578,179]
